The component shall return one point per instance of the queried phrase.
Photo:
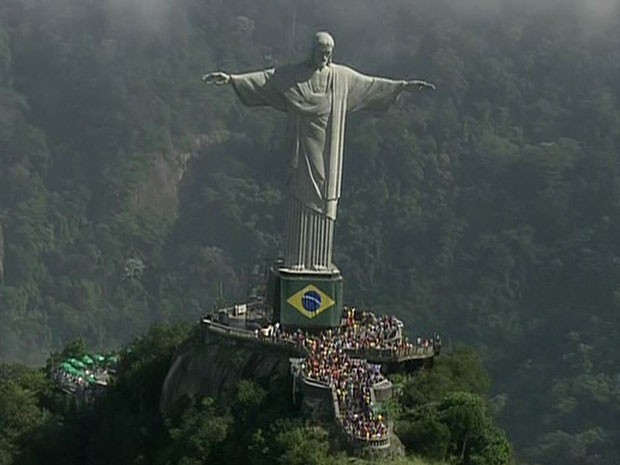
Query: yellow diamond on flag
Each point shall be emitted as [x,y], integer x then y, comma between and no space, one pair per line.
[310,301]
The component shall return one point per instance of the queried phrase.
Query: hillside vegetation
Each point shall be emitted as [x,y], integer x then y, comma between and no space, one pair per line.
[442,416]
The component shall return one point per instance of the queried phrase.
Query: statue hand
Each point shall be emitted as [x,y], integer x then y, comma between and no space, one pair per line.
[217,78]
[418,84]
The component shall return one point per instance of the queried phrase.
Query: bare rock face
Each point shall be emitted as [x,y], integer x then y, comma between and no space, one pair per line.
[159,192]
[214,368]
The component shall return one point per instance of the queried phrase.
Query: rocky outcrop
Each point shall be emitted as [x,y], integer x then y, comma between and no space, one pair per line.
[212,363]
[159,192]
[213,368]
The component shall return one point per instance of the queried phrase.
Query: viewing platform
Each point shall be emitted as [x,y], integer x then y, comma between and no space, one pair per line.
[340,369]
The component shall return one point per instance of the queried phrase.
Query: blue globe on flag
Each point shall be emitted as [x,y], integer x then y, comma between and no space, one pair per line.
[311,301]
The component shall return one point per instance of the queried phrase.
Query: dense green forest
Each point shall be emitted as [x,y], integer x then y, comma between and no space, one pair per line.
[131,194]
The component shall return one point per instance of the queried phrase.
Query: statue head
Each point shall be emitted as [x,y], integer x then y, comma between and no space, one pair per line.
[322,48]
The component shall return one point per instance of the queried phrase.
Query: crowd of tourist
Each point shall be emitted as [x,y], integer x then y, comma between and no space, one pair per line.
[355,402]
[351,379]
[365,334]
[69,381]
[369,332]
[336,358]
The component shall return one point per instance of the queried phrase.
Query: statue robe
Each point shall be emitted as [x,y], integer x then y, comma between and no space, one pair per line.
[316,128]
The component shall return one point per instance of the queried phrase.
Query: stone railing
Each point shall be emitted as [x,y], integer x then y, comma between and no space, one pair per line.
[382,391]
[226,330]
[249,336]
[396,354]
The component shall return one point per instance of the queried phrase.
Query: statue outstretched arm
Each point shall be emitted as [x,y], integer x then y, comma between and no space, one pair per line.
[253,89]
[418,84]
[218,78]
[371,92]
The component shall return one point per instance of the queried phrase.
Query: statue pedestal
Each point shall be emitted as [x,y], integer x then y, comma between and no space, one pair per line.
[305,299]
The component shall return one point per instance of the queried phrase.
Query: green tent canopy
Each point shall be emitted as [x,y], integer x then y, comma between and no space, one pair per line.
[66,366]
[77,363]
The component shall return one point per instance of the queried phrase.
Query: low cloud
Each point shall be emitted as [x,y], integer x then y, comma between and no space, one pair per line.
[147,15]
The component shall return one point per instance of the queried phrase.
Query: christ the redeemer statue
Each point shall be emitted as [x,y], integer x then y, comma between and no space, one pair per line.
[316,95]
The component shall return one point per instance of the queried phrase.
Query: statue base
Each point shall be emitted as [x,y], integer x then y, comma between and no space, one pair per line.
[305,299]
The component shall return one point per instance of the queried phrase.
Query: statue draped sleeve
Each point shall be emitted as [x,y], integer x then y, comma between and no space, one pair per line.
[257,89]
[370,92]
